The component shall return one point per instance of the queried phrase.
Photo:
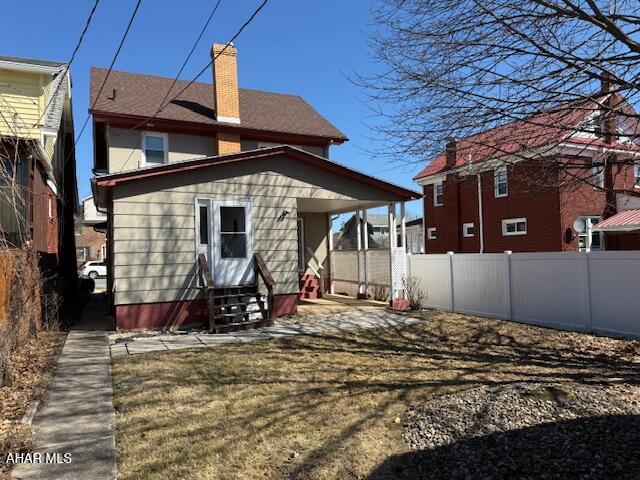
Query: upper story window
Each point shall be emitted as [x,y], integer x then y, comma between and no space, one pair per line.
[432,233]
[468,230]
[155,148]
[501,182]
[438,195]
[636,175]
[514,226]
[597,176]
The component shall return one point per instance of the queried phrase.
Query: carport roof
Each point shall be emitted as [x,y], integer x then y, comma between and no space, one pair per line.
[625,221]
[101,185]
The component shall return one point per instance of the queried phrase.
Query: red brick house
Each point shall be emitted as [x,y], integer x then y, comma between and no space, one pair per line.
[507,188]
[90,232]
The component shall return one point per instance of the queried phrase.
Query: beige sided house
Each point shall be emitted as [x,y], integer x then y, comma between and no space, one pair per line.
[225,188]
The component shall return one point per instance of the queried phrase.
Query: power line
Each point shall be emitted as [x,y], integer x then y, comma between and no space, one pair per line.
[206,67]
[115,57]
[164,105]
[73,56]
[184,64]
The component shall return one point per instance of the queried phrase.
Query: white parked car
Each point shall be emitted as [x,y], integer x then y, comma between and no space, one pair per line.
[94,269]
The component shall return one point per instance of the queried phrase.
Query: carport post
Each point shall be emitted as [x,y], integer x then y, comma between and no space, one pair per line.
[392,241]
[359,246]
[330,251]
[403,227]
[365,240]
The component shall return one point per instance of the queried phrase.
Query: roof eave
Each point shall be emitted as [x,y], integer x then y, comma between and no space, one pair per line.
[111,180]
[219,126]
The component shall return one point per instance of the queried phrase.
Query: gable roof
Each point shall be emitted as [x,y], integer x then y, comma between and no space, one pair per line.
[100,184]
[546,128]
[140,95]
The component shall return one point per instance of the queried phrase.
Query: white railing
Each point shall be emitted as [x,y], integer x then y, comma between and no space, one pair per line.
[320,270]
[590,292]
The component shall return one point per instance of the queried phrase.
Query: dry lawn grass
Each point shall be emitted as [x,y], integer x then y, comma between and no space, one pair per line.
[328,407]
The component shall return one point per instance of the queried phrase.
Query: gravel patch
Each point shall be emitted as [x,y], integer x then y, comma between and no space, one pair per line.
[525,431]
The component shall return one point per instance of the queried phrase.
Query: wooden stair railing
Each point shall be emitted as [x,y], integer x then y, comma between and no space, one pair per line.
[229,306]
[261,269]
[206,280]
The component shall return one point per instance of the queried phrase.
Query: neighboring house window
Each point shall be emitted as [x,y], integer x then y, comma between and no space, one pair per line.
[83,253]
[50,208]
[590,239]
[438,197]
[432,233]
[514,226]
[468,230]
[154,148]
[636,175]
[501,182]
[597,176]
[77,228]
[103,253]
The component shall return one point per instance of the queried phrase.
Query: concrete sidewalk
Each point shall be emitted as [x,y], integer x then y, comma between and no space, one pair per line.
[146,342]
[77,415]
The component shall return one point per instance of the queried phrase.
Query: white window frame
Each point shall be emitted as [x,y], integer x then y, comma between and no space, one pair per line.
[50,208]
[432,233]
[597,176]
[588,232]
[465,230]
[509,221]
[496,175]
[435,194]
[103,252]
[636,174]
[143,147]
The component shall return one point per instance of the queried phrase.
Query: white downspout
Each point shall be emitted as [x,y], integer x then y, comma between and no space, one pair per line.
[481,226]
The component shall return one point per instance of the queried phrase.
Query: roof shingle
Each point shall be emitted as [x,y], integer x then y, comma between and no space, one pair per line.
[140,95]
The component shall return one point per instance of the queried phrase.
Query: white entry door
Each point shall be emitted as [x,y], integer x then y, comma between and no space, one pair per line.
[224,236]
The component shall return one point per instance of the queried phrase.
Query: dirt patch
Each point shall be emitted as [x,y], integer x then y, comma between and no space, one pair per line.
[332,406]
[29,366]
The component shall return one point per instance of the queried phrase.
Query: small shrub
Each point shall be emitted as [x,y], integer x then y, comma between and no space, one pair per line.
[414,293]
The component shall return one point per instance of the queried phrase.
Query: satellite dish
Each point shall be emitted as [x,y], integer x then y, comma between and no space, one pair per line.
[579,225]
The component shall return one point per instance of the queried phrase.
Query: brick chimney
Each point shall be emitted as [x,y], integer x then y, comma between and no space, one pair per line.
[451,151]
[225,94]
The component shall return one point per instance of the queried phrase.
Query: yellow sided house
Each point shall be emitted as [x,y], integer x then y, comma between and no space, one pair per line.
[219,206]
[38,192]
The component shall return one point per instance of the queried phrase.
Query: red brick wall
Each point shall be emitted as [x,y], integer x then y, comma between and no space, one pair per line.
[539,205]
[90,238]
[45,223]
[584,200]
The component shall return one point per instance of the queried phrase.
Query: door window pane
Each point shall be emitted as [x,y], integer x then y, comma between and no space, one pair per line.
[233,245]
[232,220]
[204,225]
[233,237]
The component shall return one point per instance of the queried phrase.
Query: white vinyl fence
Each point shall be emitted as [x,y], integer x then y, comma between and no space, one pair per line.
[589,292]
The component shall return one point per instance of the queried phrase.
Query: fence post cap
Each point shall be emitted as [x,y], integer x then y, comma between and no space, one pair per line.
[508,252]
[449,252]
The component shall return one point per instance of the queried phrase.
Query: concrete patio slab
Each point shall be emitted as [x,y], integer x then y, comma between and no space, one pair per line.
[340,321]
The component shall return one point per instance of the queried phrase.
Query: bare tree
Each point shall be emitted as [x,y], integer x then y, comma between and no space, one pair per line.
[454,68]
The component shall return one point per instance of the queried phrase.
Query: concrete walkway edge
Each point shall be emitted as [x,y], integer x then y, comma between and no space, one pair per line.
[77,415]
